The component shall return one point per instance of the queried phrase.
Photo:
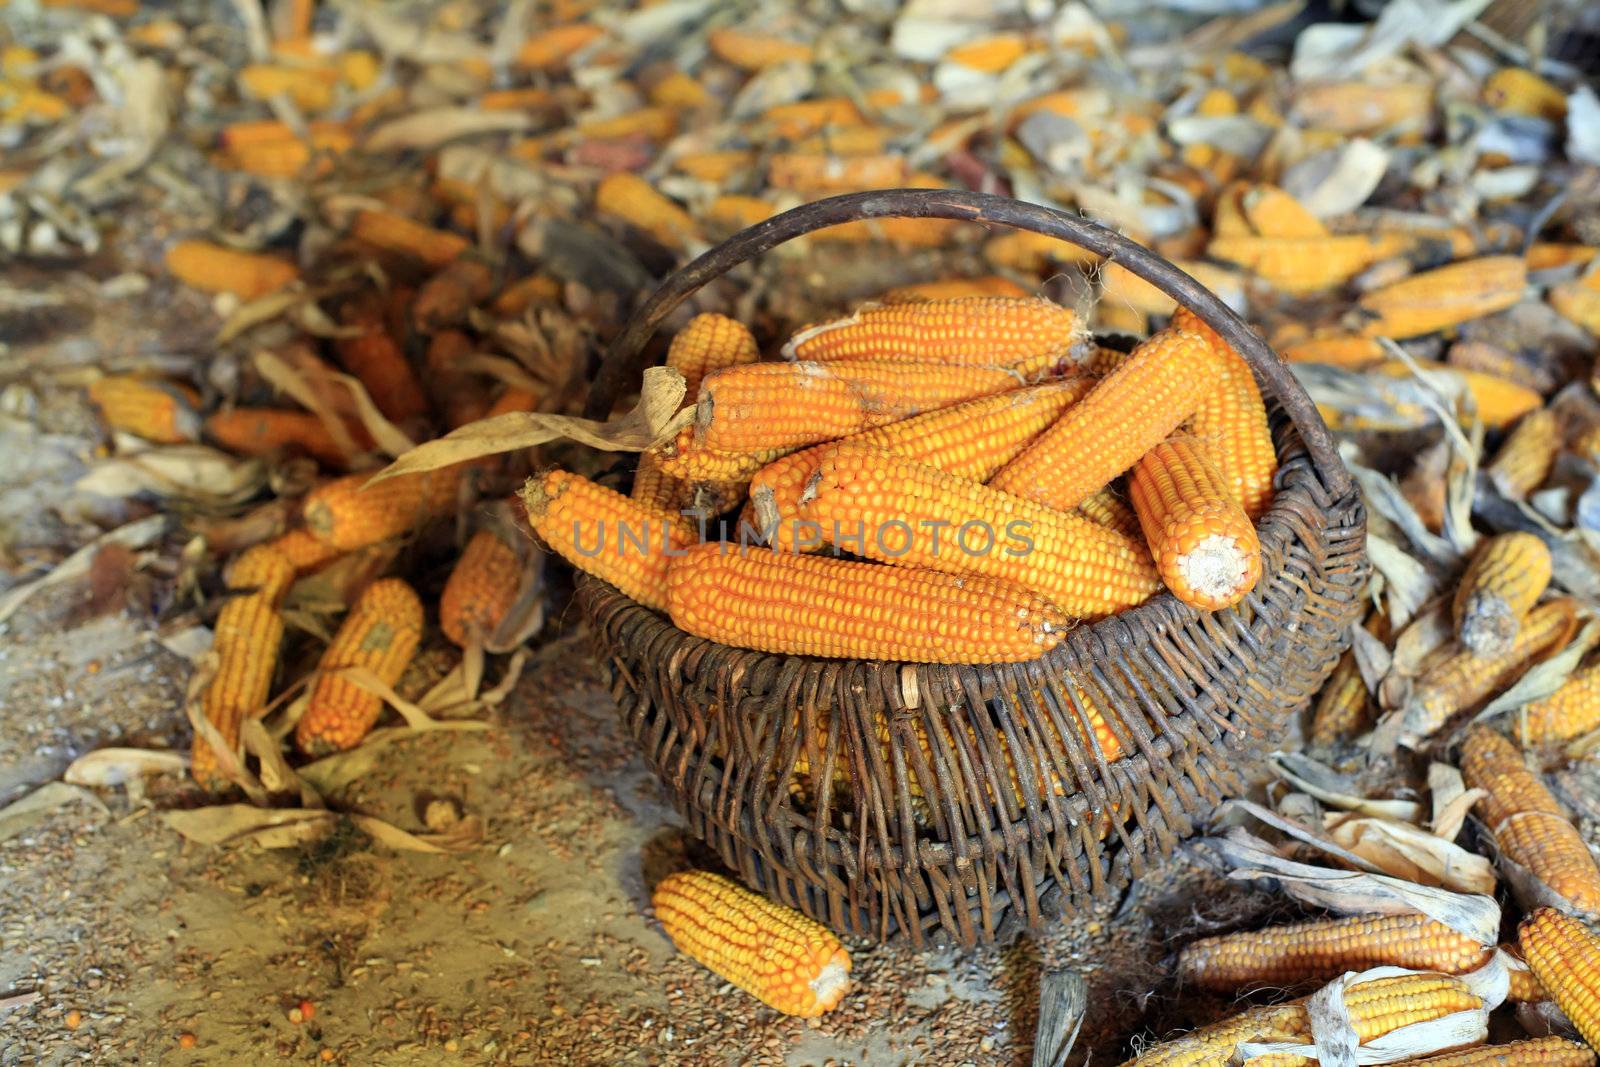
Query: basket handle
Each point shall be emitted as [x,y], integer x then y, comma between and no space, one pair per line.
[621,362]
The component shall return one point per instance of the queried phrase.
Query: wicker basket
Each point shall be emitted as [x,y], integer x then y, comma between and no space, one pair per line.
[910,800]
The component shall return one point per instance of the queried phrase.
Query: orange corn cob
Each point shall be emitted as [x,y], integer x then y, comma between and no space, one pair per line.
[726,214]
[1132,410]
[248,632]
[893,509]
[215,269]
[1353,107]
[1499,402]
[629,198]
[401,236]
[1502,584]
[445,299]
[1525,987]
[1579,303]
[709,343]
[603,533]
[519,296]
[716,166]
[1202,541]
[955,289]
[683,458]
[265,431]
[375,358]
[1571,711]
[814,606]
[651,123]
[657,489]
[303,550]
[1494,360]
[552,47]
[1343,707]
[1448,296]
[1525,459]
[272,150]
[348,514]
[755,51]
[786,405]
[1272,212]
[160,412]
[775,954]
[1565,956]
[1533,1052]
[482,587]
[972,440]
[1529,826]
[1325,949]
[1024,333]
[1375,1008]
[825,173]
[526,98]
[1107,509]
[1304,265]
[381,634]
[311,88]
[1522,92]
[1232,422]
[1339,350]
[680,90]
[1123,288]
[1465,680]
[1547,255]
[991,54]
[805,117]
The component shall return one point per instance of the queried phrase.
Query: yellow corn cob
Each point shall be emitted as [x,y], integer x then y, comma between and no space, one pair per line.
[552,47]
[1343,708]
[756,598]
[310,88]
[1522,92]
[1525,987]
[726,214]
[1375,1007]
[1132,410]
[856,140]
[680,90]
[161,412]
[1304,265]
[1502,584]
[347,514]
[604,533]
[1571,711]
[528,98]
[955,289]
[1326,948]
[1525,459]
[1338,350]
[826,173]
[1107,509]
[1438,299]
[375,358]
[288,156]
[804,117]
[1024,333]
[774,953]
[1464,680]
[1232,421]
[1272,212]
[991,54]
[1578,303]
[444,299]
[265,431]
[1499,402]
[481,589]
[389,232]
[519,296]
[682,458]
[1203,543]
[709,343]
[755,51]
[1353,107]
[247,635]
[893,509]
[786,405]
[381,634]
[303,551]
[1533,1052]
[1564,954]
[1547,255]
[1494,360]
[651,123]
[216,269]
[1528,824]
[972,440]
[628,197]
[655,488]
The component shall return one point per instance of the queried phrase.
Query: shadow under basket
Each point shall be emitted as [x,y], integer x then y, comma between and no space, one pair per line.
[938,803]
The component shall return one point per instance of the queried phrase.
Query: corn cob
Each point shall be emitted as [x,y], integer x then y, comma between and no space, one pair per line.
[1337,350]
[780,957]
[482,587]
[247,635]
[955,289]
[991,54]
[1528,824]
[709,343]
[972,440]
[1202,541]
[1301,266]
[401,236]
[1502,583]
[632,543]
[681,91]
[375,358]
[527,98]
[1123,288]
[1033,253]
[1375,1008]
[893,509]
[1272,212]
[1025,333]
[1570,712]
[813,606]
[1343,707]
[1563,955]
[805,117]
[1326,948]
[1533,1052]
[303,551]
[161,412]
[381,634]
[1525,459]
[1132,410]
[728,213]
[1438,299]
[825,173]
[657,489]
[683,458]
[310,88]
[1463,680]
[629,198]
[288,156]
[550,48]
[1232,422]
[1578,303]
[1522,92]
[1106,508]
[1524,984]
[786,405]
[215,269]
[1499,402]
[755,51]
[1353,107]
[265,431]
[445,299]
[716,166]
[650,123]
[1548,255]
[347,514]
[519,296]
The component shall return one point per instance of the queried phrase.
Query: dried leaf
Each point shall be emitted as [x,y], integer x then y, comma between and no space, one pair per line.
[197,474]
[430,129]
[1330,787]
[108,767]
[1405,851]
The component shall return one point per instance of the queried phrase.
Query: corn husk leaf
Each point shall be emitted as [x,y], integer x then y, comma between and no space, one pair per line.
[430,129]
[106,768]
[1409,852]
[194,474]
[1452,800]
[1338,180]
[1332,788]
[232,824]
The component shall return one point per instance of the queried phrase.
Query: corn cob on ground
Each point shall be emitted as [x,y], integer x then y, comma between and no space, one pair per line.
[265,431]
[1448,296]
[160,412]
[1232,422]
[1569,712]
[304,551]
[375,358]
[1203,543]
[212,268]
[481,588]
[347,513]
[775,954]
[814,606]
[1525,459]
[1527,823]
[1565,957]
[1503,582]
[381,633]
[1534,1052]
[709,343]
[1343,706]
[1025,333]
